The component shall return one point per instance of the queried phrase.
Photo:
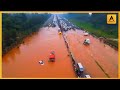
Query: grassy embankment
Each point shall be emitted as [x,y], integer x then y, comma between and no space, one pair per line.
[110,39]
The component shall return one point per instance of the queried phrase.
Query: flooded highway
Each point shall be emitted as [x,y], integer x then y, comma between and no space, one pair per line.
[24,61]
[98,59]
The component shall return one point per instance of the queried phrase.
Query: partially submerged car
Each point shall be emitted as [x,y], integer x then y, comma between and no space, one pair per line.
[79,69]
[86,41]
[87,76]
[41,62]
[52,56]
[86,34]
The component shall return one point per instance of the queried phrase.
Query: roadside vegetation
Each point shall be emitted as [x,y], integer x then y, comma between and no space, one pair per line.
[15,27]
[96,24]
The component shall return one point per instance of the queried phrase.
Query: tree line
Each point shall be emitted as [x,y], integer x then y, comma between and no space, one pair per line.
[17,26]
[98,21]
[96,25]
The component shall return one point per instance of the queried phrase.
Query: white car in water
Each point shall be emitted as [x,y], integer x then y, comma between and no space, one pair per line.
[79,67]
[87,41]
[87,76]
[86,34]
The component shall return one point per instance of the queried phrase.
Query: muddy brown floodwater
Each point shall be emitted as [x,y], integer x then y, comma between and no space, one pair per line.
[23,62]
[98,59]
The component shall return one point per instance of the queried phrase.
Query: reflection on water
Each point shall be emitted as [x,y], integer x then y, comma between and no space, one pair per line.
[10,56]
[60,36]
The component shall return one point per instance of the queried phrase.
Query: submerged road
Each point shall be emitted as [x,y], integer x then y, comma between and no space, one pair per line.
[23,61]
[98,59]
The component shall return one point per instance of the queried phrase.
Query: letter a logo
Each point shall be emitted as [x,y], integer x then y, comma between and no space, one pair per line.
[111,19]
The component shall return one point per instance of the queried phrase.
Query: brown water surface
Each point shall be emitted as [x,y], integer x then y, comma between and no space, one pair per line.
[23,62]
[94,54]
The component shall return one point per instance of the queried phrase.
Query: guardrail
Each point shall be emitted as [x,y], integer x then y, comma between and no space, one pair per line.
[69,51]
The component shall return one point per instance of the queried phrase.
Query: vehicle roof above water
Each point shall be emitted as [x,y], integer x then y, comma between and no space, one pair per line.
[87,76]
[80,65]
[87,39]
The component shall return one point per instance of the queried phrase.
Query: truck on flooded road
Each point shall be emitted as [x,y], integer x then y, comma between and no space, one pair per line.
[52,56]
[79,69]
